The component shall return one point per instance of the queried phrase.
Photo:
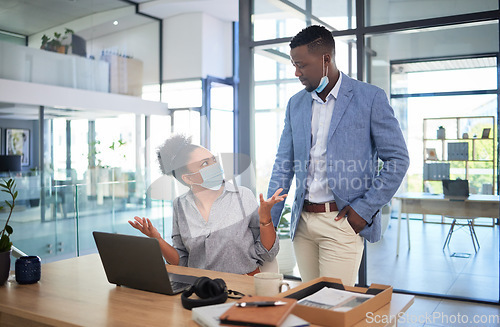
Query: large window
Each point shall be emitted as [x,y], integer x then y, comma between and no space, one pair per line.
[446,88]
[429,67]
[439,72]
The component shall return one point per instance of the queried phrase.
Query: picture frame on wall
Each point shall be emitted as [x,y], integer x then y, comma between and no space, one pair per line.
[486,133]
[17,142]
[431,154]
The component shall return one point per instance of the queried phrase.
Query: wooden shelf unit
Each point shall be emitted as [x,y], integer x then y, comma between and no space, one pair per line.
[480,151]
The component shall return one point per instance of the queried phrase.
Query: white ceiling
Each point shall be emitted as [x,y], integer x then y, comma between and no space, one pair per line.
[28,17]
[222,9]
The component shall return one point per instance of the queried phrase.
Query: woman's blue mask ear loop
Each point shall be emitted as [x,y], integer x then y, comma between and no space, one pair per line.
[324,80]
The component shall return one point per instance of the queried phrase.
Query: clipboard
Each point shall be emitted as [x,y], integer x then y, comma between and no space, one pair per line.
[272,316]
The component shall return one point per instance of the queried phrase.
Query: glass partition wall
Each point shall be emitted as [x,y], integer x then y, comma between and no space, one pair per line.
[448,80]
[81,176]
[439,63]
[85,167]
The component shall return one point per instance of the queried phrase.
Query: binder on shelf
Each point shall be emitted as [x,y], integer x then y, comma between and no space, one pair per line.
[436,171]
[458,151]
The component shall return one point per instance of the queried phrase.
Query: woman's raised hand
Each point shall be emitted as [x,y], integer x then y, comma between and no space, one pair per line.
[145,226]
[266,205]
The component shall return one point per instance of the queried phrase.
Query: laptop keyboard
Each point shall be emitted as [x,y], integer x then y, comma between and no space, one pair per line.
[179,286]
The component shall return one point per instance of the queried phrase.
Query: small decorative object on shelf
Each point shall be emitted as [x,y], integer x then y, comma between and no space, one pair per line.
[28,269]
[431,154]
[465,135]
[441,133]
[486,133]
[55,44]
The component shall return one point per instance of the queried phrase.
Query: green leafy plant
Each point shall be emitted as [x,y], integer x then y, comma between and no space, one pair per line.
[10,188]
[55,43]
[95,153]
[120,143]
[284,225]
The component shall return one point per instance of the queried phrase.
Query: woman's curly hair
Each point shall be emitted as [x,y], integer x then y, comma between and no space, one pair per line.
[173,155]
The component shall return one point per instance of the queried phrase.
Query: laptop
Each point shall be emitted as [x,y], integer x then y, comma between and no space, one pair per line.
[137,262]
[458,188]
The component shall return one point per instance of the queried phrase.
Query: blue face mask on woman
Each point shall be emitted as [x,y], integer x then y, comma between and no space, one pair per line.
[212,175]
[324,80]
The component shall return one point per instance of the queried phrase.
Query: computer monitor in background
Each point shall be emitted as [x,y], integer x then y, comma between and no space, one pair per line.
[10,163]
[78,45]
[456,188]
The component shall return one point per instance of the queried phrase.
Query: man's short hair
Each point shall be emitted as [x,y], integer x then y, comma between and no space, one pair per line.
[316,37]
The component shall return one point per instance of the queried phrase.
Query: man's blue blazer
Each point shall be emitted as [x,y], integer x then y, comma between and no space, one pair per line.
[362,130]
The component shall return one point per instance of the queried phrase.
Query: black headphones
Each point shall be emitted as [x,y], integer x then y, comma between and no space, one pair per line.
[210,291]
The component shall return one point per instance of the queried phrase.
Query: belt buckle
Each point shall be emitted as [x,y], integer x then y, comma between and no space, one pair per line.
[327,207]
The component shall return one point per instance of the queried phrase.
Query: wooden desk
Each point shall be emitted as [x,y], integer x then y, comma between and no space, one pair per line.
[75,292]
[476,205]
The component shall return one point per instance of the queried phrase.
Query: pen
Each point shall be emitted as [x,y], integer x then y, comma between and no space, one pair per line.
[260,304]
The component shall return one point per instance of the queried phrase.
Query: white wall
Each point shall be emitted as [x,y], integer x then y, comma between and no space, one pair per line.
[182,47]
[196,45]
[141,43]
[217,47]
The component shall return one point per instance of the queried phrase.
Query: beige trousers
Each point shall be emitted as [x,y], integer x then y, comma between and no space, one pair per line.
[327,248]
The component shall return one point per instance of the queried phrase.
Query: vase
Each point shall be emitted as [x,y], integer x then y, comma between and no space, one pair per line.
[62,49]
[28,269]
[4,266]
[441,133]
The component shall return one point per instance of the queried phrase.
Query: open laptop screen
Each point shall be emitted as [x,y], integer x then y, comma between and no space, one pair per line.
[456,188]
[137,262]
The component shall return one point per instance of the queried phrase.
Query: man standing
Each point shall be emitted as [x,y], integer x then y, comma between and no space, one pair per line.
[335,132]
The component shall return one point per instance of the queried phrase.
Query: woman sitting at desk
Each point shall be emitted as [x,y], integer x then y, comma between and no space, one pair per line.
[216,226]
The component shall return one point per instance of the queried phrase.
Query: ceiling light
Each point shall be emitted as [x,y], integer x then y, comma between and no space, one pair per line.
[115,22]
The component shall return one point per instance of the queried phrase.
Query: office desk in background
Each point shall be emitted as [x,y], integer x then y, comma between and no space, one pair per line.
[75,292]
[476,205]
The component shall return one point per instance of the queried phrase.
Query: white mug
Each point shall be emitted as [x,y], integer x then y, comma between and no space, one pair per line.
[269,283]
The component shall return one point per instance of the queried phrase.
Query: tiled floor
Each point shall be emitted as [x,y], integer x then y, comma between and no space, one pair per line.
[426,267]
[428,311]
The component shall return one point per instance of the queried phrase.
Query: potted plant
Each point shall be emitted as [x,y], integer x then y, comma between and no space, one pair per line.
[283,227]
[385,216]
[5,243]
[55,44]
[286,255]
